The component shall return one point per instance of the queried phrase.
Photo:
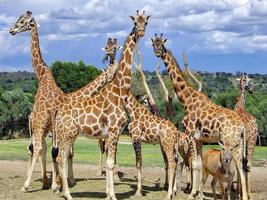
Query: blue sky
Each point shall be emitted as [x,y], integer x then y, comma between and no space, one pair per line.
[218,35]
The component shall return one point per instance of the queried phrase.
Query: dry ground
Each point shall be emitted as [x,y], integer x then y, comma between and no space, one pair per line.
[89,186]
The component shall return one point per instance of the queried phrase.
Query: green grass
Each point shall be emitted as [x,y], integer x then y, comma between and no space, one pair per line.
[87,151]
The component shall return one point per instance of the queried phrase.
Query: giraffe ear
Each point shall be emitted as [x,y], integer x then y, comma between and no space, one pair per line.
[132,17]
[148,17]
[165,40]
[119,47]
[29,13]
[238,79]
[103,49]
[152,40]
[221,144]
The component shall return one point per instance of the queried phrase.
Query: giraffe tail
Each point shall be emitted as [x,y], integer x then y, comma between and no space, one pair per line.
[30,147]
[54,150]
[245,152]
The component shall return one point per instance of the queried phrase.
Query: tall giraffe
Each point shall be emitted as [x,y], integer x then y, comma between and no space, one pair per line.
[102,116]
[202,116]
[148,128]
[49,97]
[245,83]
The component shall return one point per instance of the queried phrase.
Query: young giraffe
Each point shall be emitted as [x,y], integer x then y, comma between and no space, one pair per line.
[102,116]
[148,128]
[250,124]
[110,51]
[213,122]
[49,97]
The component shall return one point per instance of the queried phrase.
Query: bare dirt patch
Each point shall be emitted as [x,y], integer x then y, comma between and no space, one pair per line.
[90,186]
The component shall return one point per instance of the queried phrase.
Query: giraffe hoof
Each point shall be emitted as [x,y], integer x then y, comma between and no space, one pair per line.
[116,178]
[138,194]
[56,191]
[25,189]
[68,197]
[71,182]
[191,197]
[45,187]
[99,172]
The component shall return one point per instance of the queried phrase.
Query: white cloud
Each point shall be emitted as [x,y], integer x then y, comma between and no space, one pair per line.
[11,45]
[220,25]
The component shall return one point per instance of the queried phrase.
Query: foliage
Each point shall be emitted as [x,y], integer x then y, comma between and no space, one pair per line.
[17,92]
[72,76]
[15,107]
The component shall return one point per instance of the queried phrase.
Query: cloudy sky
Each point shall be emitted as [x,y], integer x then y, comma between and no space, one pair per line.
[218,35]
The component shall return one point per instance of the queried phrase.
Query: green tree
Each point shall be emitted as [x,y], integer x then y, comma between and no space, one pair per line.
[72,76]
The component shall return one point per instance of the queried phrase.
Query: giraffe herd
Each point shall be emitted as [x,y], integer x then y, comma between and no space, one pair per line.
[101,109]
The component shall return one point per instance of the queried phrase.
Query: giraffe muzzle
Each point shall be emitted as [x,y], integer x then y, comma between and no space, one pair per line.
[12,31]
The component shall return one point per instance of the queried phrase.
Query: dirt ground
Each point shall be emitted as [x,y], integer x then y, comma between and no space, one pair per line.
[90,186]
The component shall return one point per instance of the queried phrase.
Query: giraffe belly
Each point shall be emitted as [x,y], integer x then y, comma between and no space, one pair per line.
[96,133]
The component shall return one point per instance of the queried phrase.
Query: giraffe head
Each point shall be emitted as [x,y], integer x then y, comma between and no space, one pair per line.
[24,23]
[226,153]
[158,45]
[140,22]
[245,83]
[111,49]
[143,99]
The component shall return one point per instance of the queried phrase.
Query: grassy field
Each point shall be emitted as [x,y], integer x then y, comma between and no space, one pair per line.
[87,151]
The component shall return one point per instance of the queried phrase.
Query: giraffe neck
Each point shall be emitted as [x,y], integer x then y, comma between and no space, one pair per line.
[37,60]
[240,103]
[112,60]
[133,105]
[122,80]
[182,89]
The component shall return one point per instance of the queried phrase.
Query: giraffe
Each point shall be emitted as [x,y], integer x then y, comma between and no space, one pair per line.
[204,120]
[149,128]
[110,52]
[245,83]
[49,97]
[102,116]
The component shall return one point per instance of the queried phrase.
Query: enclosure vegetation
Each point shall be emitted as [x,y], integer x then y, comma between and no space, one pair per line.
[17,92]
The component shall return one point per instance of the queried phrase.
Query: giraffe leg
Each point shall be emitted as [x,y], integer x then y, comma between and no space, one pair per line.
[166,167]
[171,170]
[196,167]
[37,145]
[177,179]
[55,187]
[29,162]
[138,157]
[202,184]
[229,185]
[222,189]
[112,148]
[115,172]
[71,179]
[213,186]
[101,144]
[62,160]
[248,185]
[43,165]
[242,177]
